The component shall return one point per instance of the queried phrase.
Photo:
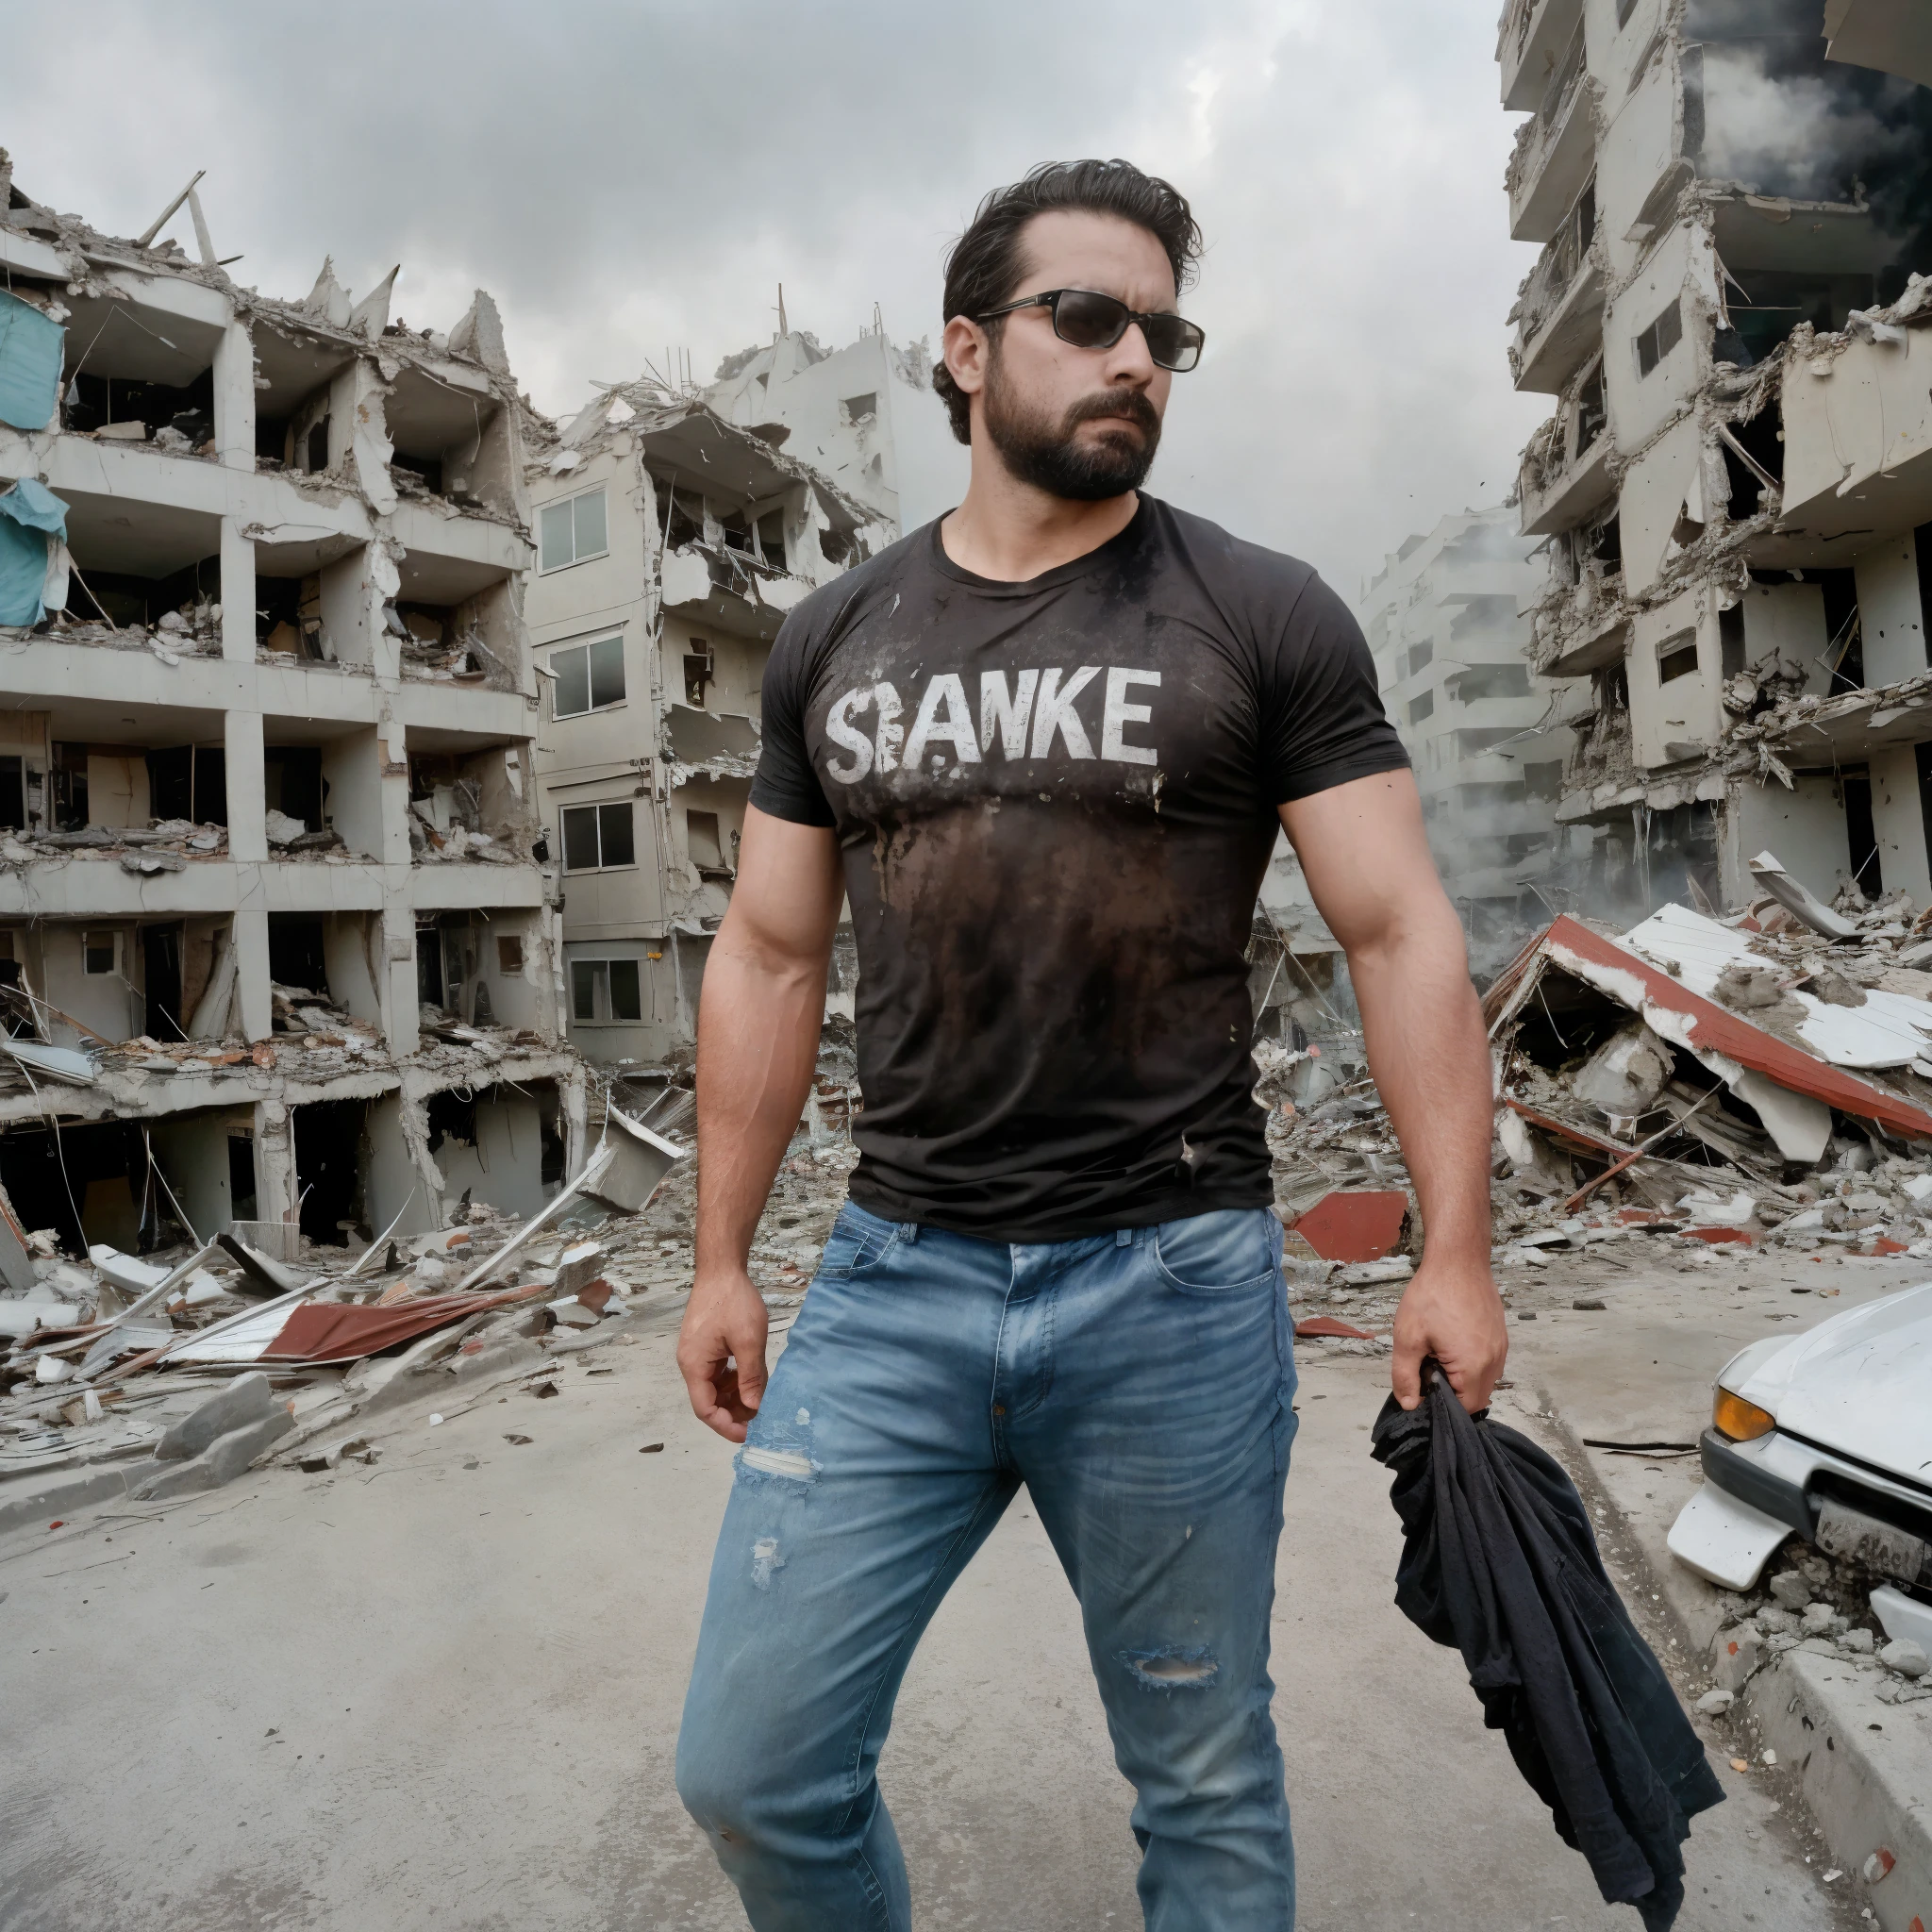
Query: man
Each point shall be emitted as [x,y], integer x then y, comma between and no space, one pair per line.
[1044,747]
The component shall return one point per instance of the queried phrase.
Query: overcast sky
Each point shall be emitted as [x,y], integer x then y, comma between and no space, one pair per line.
[628,178]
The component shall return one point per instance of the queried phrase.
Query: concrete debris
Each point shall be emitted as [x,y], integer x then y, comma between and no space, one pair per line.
[110,1393]
[280,930]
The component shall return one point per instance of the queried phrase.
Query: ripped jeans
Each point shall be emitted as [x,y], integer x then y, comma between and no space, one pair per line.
[1141,1386]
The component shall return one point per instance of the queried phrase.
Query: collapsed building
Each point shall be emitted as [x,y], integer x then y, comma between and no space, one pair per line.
[671,544]
[1443,618]
[278,946]
[1736,486]
[865,415]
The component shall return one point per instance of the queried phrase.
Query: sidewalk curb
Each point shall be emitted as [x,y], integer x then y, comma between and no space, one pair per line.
[1820,1736]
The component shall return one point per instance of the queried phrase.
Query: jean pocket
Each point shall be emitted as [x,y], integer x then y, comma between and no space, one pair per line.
[1231,1250]
[859,1243]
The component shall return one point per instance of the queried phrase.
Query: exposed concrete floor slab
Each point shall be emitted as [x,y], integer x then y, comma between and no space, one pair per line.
[443,1692]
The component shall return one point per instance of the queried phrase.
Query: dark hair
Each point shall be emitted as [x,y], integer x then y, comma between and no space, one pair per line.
[984,263]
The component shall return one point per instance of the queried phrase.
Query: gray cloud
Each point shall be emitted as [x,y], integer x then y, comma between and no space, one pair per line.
[628,178]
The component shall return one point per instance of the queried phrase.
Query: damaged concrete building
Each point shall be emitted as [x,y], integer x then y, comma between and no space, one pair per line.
[1736,487]
[671,543]
[1444,620]
[865,415]
[277,945]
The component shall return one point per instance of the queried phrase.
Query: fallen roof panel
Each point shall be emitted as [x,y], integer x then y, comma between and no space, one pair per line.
[1679,1014]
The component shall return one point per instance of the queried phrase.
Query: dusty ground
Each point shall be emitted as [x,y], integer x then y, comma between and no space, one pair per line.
[442,1692]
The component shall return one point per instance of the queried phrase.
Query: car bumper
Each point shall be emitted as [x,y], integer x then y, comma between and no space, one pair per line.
[1757,1493]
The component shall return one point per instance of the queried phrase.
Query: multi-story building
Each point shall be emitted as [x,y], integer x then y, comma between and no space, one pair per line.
[865,415]
[1444,619]
[671,543]
[1735,483]
[275,942]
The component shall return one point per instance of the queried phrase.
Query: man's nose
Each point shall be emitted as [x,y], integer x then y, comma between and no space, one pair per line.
[1128,362]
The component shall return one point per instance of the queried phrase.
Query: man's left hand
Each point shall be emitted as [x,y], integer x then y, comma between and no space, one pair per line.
[1451,1311]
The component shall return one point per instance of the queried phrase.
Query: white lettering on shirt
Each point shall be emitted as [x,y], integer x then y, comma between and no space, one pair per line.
[1006,713]
[1032,705]
[954,727]
[886,746]
[1056,713]
[1119,712]
[844,733]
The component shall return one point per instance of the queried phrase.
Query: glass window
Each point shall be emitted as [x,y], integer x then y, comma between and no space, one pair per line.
[554,526]
[580,838]
[626,1003]
[571,696]
[614,827]
[97,952]
[591,540]
[584,975]
[588,676]
[606,658]
[1420,707]
[571,530]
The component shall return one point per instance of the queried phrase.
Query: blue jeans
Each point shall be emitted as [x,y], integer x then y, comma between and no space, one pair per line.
[1141,1385]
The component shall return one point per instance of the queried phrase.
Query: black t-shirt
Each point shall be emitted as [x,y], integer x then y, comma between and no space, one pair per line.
[1056,801]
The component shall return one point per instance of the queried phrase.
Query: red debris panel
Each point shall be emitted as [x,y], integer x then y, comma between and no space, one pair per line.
[344,1332]
[1717,1236]
[1355,1225]
[1589,955]
[1328,1325]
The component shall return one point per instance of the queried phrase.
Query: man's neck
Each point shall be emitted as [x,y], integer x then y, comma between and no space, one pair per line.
[1009,531]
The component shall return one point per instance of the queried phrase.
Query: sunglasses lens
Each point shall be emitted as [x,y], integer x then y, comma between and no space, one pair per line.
[1174,344]
[1087,320]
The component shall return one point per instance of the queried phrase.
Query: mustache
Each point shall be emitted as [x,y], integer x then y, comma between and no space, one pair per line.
[1132,403]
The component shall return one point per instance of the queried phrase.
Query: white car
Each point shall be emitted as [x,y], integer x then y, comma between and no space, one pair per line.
[1829,1434]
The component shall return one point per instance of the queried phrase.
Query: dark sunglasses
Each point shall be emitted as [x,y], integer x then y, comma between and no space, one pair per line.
[1089,320]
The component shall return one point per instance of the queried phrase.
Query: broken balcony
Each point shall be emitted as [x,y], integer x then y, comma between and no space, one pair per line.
[454,622]
[143,573]
[1556,149]
[469,805]
[1858,435]
[1560,309]
[140,377]
[1531,42]
[451,439]
[718,744]
[1566,466]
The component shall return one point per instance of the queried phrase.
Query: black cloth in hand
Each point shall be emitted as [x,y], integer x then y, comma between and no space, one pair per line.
[1499,1562]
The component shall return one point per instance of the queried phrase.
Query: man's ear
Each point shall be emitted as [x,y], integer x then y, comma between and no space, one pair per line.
[966,351]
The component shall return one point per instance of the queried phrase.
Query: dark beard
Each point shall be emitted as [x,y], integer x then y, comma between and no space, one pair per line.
[1047,456]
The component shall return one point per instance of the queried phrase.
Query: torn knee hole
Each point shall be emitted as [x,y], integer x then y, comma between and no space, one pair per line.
[1172,1670]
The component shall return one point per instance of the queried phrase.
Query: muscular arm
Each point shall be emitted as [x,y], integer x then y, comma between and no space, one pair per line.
[758,1038]
[1368,865]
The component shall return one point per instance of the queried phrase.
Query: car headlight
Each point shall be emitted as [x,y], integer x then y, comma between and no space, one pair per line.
[1742,1421]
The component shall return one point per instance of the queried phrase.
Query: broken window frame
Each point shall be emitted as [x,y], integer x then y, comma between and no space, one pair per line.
[570,655]
[602,816]
[581,525]
[1679,650]
[1651,343]
[603,979]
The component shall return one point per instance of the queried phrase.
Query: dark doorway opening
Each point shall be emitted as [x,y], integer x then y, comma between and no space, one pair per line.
[1861,835]
[241,1177]
[295,956]
[328,1168]
[162,963]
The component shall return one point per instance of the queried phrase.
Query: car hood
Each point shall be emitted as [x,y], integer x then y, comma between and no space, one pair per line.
[1859,1383]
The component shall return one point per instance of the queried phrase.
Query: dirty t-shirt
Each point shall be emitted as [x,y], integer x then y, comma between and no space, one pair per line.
[1055,800]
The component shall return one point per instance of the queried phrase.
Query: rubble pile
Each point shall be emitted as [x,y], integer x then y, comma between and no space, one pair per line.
[1819,1605]
[153,1376]
[1716,1084]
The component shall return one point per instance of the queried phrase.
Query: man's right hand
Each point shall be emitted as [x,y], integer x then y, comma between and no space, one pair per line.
[721,1351]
